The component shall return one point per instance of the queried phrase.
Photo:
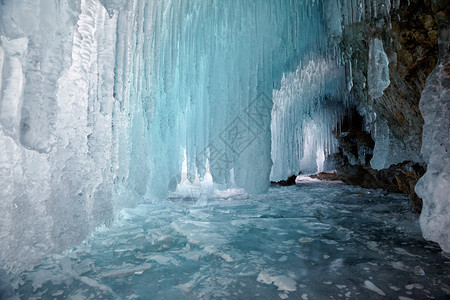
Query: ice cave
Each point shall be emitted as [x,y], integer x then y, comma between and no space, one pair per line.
[224,149]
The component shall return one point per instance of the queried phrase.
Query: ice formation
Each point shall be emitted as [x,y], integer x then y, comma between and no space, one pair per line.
[378,72]
[433,187]
[307,108]
[57,160]
[102,101]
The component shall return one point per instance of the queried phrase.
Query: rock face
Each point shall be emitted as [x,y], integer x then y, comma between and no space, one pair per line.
[326,176]
[289,181]
[407,180]
[410,41]
[402,41]
[352,164]
[399,178]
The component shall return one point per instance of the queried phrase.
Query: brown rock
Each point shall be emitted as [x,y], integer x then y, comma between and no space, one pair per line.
[407,180]
[400,178]
[410,40]
[289,181]
[326,176]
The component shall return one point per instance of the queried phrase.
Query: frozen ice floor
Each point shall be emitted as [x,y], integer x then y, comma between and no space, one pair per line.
[310,241]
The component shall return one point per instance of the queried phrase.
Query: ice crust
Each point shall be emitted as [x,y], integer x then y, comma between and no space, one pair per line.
[319,239]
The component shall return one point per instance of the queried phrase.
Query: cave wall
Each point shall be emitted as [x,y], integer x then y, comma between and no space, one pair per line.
[72,110]
[407,35]
[398,61]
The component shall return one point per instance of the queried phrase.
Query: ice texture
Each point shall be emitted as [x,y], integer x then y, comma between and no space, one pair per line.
[389,149]
[321,239]
[197,80]
[378,69]
[434,186]
[307,108]
[56,115]
[311,101]
[210,91]
[103,101]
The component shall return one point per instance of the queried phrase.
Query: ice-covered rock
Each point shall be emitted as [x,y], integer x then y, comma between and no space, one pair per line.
[434,186]
[389,149]
[378,69]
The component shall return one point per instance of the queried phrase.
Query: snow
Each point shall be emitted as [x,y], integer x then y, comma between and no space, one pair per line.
[305,178]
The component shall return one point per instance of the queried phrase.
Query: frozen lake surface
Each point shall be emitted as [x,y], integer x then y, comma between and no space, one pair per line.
[310,241]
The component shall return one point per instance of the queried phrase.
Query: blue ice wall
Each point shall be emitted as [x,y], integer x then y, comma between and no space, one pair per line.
[202,85]
[104,103]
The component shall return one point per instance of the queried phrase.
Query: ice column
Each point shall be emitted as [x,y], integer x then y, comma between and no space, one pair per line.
[56,134]
[307,108]
[208,70]
[434,186]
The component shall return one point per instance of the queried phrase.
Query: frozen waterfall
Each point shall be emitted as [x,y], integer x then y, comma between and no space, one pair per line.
[102,102]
